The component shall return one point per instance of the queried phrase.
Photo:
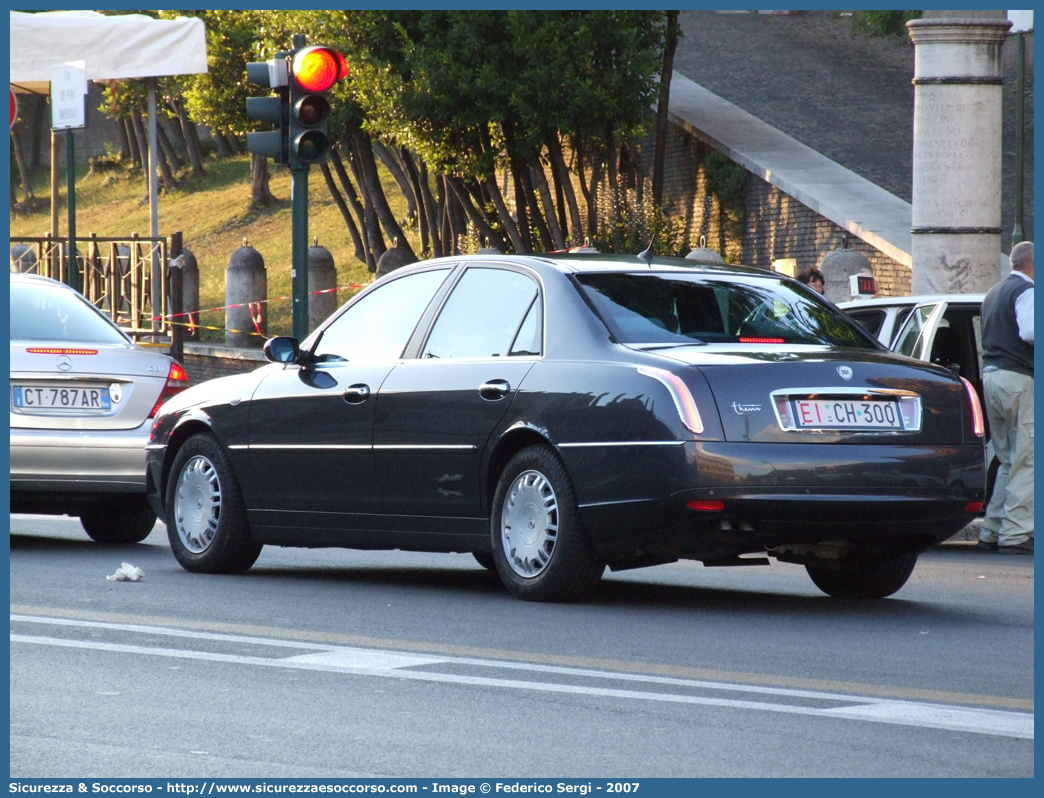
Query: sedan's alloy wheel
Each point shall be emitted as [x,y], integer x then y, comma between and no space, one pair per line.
[197,504]
[530,524]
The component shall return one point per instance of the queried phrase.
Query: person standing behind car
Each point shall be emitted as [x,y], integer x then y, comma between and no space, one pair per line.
[814,279]
[1007,357]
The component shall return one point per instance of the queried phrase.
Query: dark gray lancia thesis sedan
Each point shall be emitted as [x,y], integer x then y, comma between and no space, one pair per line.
[555,415]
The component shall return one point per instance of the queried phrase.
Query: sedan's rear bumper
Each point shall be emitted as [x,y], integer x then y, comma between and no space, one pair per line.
[95,461]
[722,499]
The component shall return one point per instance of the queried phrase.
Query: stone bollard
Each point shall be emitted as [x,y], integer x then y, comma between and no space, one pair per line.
[705,253]
[246,282]
[23,258]
[393,259]
[190,295]
[837,267]
[322,276]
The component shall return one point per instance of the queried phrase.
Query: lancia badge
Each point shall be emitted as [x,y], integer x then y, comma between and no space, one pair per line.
[115,392]
[845,372]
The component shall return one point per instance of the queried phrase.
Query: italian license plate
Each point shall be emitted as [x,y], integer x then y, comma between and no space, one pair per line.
[32,397]
[847,414]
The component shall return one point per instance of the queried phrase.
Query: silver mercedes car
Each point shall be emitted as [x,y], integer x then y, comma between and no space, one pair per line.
[83,395]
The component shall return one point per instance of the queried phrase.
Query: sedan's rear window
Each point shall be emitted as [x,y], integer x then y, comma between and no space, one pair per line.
[47,312]
[670,309]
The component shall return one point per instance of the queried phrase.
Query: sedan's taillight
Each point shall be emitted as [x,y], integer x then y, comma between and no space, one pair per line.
[177,381]
[976,407]
[683,401]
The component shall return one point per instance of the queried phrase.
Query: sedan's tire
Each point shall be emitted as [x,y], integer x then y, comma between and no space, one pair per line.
[127,519]
[540,548]
[485,560]
[206,520]
[864,576]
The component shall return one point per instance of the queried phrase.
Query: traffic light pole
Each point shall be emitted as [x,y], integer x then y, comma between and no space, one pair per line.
[299,248]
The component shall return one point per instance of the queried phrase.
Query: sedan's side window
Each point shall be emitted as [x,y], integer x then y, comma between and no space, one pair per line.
[377,327]
[483,316]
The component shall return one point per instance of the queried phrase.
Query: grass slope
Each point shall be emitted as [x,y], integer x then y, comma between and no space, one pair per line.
[215,218]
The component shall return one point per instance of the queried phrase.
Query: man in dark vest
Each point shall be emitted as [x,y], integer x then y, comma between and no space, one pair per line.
[1007,359]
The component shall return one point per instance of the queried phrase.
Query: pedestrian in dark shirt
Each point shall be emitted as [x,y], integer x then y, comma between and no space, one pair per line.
[1007,358]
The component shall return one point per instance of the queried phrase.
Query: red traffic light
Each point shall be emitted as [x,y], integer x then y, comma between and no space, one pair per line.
[318,68]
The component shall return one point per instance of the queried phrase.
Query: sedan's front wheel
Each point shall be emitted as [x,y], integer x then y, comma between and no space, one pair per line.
[127,519]
[206,520]
[864,576]
[540,548]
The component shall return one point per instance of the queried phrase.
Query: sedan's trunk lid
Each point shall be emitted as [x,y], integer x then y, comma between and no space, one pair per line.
[91,386]
[828,395]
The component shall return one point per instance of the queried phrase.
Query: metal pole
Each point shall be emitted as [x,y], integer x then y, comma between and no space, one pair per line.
[1020,124]
[299,248]
[70,186]
[157,265]
[55,172]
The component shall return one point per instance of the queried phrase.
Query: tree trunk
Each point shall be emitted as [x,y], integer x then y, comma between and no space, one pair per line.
[538,177]
[349,222]
[143,146]
[564,184]
[356,206]
[410,169]
[175,135]
[260,195]
[132,142]
[662,106]
[542,217]
[370,222]
[23,172]
[167,148]
[368,166]
[188,130]
[490,184]
[477,218]
[400,176]
[224,149]
[612,156]
[444,198]
[521,212]
[35,127]
[432,211]
[121,138]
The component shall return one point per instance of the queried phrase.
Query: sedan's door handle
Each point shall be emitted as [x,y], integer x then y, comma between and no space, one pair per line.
[494,390]
[356,394]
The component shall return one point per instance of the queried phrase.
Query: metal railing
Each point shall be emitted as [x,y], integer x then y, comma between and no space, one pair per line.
[115,274]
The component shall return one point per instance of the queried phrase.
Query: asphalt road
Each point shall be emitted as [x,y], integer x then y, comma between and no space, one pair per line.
[324,663]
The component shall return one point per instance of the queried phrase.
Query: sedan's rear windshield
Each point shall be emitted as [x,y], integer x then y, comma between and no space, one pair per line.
[677,309]
[48,312]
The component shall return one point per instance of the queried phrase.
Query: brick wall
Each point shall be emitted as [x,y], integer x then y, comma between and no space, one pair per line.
[775,226]
[206,361]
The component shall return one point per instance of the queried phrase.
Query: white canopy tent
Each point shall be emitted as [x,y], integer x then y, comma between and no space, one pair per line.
[125,47]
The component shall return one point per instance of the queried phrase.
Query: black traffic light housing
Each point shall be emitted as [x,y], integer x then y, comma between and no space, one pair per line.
[312,72]
[273,144]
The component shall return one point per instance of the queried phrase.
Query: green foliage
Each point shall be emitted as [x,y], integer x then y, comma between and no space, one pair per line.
[626,224]
[726,180]
[882,24]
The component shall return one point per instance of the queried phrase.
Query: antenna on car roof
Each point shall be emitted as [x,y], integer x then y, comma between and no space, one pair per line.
[647,255]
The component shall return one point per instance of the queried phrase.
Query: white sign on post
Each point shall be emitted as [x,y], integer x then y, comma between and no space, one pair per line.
[68,87]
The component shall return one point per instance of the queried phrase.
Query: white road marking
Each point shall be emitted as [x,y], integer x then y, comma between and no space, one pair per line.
[394,664]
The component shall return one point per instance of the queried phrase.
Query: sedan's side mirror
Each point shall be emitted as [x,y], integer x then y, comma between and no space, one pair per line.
[282,349]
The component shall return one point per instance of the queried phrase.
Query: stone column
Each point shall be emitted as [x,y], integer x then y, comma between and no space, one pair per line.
[957,153]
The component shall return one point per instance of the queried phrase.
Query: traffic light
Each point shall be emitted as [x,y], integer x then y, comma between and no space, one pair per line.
[313,71]
[273,110]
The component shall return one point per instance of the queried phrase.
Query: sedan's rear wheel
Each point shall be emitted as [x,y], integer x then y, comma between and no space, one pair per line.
[485,560]
[206,520]
[864,576]
[126,519]
[539,545]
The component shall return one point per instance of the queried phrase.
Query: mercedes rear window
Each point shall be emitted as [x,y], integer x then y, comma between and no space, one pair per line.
[47,312]
[678,309]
